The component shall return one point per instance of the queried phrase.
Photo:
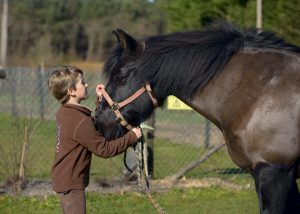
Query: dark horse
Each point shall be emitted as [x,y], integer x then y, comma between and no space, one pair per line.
[247,82]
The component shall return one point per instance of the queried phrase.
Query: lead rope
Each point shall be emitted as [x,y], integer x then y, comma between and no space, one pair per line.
[142,175]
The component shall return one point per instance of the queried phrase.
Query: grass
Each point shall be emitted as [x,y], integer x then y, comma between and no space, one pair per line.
[168,156]
[190,201]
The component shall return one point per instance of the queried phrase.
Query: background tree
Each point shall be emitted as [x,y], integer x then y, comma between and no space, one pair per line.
[56,31]
[59,31]
[280,16]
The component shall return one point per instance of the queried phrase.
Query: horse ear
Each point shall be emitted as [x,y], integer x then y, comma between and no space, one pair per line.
[128,42]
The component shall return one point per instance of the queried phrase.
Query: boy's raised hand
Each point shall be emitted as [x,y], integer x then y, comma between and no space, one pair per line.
[99,92]
[138,132]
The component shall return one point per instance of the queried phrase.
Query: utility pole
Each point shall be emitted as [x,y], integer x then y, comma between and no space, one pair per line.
[259,13]
[4,34]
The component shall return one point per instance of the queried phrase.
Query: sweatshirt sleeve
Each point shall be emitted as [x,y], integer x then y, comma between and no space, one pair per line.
[87,135]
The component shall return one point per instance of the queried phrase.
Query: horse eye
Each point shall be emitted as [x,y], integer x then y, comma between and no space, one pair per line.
[121,80]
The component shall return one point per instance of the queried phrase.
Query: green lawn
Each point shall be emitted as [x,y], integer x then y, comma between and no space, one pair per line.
[189,201]
[168,156]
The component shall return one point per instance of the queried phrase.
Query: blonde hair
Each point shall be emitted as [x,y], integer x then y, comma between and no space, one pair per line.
[61,80]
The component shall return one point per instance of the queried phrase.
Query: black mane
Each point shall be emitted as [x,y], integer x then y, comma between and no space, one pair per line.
[195,57]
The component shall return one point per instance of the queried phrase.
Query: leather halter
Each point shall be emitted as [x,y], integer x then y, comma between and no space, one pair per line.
[115,106]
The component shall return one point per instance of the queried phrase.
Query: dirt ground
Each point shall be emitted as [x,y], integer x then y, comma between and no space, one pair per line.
[42,188]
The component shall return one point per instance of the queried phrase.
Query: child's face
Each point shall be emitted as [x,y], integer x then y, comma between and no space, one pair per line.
[81,91]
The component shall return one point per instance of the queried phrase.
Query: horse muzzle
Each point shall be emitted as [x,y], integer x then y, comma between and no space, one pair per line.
[116,106]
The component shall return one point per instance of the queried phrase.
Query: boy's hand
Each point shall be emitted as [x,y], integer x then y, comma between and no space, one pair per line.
[138,132]
[99,89]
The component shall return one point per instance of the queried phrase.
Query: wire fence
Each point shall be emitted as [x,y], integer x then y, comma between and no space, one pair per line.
[27,114]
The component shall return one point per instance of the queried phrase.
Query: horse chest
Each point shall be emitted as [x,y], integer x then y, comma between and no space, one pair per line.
[270,134]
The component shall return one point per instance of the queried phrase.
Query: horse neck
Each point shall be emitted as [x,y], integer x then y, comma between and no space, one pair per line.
[229,98]
[217,101]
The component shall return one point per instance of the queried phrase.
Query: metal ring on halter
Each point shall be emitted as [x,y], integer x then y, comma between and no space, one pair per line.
[115,106]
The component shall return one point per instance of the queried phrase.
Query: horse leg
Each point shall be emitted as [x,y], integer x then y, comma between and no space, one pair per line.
[276,188]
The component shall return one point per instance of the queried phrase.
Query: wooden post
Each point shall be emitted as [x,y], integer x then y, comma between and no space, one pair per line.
[13,97]
[3,39]
[150,145]
[207,134]
[22,161]
[4,33]
[41,75]
[2,73]
[259,13]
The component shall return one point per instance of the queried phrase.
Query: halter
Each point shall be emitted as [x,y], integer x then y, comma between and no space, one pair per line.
[115,106]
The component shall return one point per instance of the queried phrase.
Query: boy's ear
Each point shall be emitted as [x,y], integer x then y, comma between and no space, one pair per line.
[71,92]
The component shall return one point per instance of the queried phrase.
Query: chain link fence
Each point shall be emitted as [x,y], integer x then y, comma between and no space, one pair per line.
[27,134]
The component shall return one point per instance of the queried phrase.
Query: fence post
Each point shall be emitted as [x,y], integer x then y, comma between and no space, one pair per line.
[41,75]
[14,93]
[207,134]
[2,76]
[150,145]
[2,73]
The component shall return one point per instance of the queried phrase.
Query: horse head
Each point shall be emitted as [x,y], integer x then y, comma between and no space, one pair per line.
[126,79]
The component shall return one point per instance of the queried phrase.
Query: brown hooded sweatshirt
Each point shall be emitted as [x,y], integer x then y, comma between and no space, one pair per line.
[77,139]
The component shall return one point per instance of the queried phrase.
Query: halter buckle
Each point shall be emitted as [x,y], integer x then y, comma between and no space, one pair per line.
[119,119]
[115,106]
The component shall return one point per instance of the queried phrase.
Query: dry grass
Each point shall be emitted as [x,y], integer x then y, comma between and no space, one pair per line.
[87,66]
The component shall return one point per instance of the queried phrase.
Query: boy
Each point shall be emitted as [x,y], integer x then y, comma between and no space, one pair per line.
[77,139]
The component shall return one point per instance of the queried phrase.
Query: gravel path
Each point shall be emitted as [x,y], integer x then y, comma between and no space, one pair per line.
[43,188]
